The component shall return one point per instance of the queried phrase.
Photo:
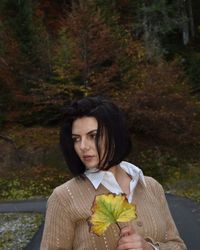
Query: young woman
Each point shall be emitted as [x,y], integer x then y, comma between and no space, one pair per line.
[95,141]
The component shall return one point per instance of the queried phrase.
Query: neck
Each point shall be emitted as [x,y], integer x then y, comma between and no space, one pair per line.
[122,178]
[117,171]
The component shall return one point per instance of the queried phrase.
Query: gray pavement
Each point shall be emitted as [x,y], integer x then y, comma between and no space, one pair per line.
[35,205]
[185,212]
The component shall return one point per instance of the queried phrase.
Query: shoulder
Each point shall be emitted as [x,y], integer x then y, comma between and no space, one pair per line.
[72,184]
[70,189]
[153,185]
[62,196]
[151,181]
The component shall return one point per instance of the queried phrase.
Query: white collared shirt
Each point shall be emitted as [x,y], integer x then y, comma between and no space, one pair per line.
[107,179]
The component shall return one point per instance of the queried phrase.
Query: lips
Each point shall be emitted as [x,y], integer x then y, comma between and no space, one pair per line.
[88,157]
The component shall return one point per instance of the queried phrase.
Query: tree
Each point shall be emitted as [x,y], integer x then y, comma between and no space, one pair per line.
[161,108]
[154,20]
[158,19]
[8,54]
[188,25]
[90,52]
[24,54]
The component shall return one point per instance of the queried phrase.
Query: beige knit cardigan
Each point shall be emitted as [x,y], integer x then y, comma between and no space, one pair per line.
[69,207]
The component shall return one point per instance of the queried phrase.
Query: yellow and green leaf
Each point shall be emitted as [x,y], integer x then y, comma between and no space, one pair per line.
[110,208]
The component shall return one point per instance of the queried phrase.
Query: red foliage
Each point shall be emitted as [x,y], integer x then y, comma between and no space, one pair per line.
[51,12]
[98,54]
[8,62]
[159,106]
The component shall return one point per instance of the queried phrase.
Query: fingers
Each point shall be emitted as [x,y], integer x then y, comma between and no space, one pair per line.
[125,231]
[130,239]
[129,246]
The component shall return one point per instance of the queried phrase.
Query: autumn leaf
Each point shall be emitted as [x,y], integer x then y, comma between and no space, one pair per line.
[107,209]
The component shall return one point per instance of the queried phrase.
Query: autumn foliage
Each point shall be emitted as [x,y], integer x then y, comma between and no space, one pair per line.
[90,52]
[72,49]
[160,106]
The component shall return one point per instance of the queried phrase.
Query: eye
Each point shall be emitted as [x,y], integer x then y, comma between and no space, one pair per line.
[76,139]
[93,136]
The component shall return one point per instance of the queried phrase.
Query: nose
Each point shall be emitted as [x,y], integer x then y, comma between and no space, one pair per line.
[84,145]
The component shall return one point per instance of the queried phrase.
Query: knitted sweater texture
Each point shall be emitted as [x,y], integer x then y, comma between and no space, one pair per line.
[69,207]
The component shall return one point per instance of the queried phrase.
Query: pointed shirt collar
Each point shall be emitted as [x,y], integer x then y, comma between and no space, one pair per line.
[97,177]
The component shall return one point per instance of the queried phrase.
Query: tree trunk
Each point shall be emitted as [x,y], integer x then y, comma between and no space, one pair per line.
[191,18]
[185,27]
[185,31]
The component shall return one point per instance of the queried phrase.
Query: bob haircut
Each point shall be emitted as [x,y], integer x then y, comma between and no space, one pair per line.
[111,124]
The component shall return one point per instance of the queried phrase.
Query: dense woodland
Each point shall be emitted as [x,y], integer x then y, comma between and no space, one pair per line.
[145,55]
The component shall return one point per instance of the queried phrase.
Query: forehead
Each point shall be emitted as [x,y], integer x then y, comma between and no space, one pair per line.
[84,125]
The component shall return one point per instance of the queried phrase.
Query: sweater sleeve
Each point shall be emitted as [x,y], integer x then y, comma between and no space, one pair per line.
[59,228]
[172,238]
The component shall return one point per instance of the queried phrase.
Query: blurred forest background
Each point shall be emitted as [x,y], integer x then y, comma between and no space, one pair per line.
[145,55]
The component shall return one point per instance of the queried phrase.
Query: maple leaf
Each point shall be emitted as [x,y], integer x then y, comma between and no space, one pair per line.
[107,209]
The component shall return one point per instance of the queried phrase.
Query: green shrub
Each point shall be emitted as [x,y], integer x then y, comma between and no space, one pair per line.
[16,189]
[160,165]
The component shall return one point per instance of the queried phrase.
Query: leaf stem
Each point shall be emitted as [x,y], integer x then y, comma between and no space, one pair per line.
[118,226]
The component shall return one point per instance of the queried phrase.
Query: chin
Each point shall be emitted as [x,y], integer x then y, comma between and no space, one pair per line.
[91,167]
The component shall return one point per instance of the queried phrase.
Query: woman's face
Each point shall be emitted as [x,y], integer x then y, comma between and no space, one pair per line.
[84,131]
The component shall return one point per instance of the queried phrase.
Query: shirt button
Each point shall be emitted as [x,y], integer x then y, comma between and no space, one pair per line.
[139,223]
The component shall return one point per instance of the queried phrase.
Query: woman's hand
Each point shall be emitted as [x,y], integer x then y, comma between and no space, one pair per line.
[129,240]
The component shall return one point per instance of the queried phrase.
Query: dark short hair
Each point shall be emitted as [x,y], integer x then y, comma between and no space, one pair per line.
[111,123]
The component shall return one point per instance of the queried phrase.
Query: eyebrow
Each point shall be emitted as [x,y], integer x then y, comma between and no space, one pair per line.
[90,132]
